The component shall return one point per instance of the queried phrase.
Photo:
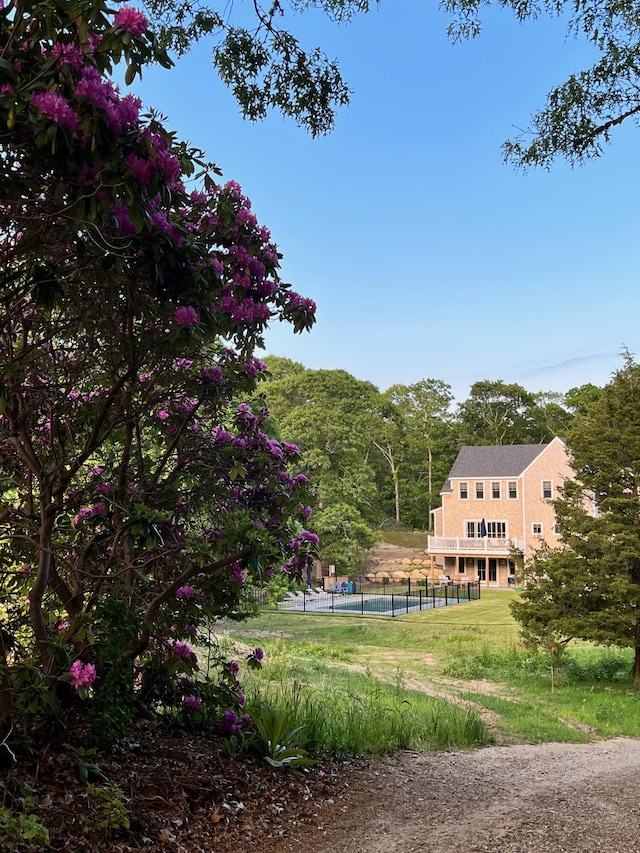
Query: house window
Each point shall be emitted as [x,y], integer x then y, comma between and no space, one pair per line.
[547,490]
[556,529]
[512,567]
[495,491]
[479,491]
[464,491]
[471,530]
[461,562]
[536,528]
[513,490]
[496,529]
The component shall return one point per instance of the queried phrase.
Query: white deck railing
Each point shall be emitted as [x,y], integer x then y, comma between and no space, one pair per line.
[481,545]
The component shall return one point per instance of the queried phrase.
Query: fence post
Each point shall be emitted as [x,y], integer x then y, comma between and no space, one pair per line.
[433,596]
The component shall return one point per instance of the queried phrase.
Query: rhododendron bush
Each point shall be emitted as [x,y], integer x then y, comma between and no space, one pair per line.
[141,494]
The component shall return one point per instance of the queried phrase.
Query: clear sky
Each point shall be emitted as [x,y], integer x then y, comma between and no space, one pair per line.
[426,255]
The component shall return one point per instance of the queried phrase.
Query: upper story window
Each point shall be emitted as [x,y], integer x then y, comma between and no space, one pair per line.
[479,491]
[495,491]
[464,491]
[556,529]
[536,528]
[471,530]
[512,490]
[547,489]
[496,529]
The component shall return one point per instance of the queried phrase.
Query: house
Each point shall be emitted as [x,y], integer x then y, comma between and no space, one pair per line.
[495,500]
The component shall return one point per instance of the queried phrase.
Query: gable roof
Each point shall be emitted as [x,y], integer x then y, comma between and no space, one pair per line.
[508,460]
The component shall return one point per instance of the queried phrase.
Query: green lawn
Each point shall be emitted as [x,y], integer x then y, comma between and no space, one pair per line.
[467,654]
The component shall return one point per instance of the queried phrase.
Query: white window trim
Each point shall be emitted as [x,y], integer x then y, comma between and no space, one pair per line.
[460,484]
[515,497]
[537,524]
[475,490]
[499,482]
[542,482]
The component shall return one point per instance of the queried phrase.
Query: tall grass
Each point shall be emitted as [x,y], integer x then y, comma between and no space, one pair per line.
[585,664]
[366,717]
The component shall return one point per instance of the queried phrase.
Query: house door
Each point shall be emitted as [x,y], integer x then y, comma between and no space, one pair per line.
[482,569]
[493,570]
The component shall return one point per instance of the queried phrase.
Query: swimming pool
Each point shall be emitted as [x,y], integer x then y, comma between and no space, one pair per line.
[391,604]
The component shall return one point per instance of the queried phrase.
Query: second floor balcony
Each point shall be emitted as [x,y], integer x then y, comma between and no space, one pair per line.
[479,545]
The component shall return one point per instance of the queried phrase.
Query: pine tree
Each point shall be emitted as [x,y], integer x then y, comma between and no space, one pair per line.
[590,588]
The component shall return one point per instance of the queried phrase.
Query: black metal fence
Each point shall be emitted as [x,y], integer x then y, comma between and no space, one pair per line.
[386,603]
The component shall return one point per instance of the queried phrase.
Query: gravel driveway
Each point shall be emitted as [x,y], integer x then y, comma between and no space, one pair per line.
[550,798]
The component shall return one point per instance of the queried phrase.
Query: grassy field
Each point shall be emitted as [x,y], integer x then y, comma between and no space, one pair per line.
[439,678]
[405,538]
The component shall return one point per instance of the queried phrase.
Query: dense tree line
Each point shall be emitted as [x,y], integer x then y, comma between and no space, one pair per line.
[379,458]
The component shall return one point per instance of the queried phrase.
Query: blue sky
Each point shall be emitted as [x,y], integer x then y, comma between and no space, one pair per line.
[426,255]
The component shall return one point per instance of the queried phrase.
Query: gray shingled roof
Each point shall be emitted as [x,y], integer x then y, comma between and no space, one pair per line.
[508,460]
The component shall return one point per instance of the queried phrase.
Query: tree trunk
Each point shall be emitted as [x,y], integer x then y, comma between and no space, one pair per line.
[636,666]
[430,486]
[6,693]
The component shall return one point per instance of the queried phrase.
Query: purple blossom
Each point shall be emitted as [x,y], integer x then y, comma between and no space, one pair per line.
[309,537]
[257,654]
[213,374]
[229,723]
[192,702]
[181,650]
[233,667]
[235,573]
[54,107]
[85,512]
[121,215]
[82,674]
[130,19]
[68,54]
[221,434]
[186,315]
[185,592]
[141,170]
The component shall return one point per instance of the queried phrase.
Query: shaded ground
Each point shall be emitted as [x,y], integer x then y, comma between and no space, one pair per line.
[185,797]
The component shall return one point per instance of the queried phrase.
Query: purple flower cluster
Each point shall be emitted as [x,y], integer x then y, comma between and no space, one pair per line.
[230,723]
[54,107]
[186,315]
[82,674]
[185,592]
[131,20]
